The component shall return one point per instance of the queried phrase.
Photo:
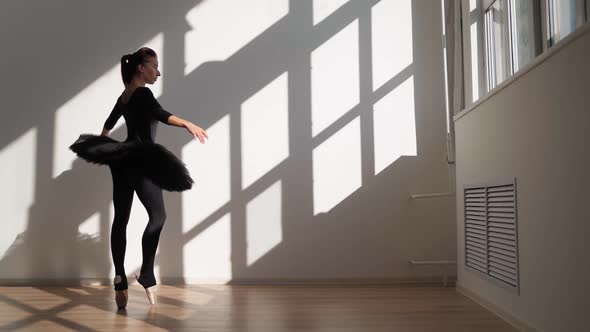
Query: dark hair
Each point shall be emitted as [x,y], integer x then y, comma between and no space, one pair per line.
[129,62]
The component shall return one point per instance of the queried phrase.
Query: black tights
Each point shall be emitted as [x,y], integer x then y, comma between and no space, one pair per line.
[125,182]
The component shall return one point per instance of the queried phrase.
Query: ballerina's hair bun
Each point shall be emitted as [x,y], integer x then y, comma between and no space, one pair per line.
[129,62]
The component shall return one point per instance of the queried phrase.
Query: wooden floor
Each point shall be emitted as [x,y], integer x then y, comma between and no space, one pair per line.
[246,308]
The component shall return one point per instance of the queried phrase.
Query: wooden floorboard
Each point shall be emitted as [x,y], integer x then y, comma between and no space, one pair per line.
[246,308]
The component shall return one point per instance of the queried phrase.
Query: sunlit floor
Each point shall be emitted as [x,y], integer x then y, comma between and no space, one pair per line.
[246,308]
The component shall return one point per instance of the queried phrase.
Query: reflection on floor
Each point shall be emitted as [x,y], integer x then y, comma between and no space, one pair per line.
[246,308]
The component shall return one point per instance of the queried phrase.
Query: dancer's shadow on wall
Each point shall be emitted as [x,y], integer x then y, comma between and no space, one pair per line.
[40,42]
[52,244]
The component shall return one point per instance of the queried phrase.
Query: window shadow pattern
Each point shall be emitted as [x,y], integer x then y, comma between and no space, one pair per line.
[51,244]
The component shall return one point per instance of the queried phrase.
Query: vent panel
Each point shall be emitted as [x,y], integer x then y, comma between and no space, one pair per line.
[491,232]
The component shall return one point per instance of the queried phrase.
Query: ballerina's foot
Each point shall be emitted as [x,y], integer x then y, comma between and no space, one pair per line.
[121,296]
[121,299]
[149,291]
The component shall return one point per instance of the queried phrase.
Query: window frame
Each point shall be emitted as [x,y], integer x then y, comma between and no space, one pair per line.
[489,46]
[476,15]
[582,17]
[539,47]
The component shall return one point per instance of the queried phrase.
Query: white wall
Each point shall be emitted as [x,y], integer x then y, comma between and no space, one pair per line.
[323,116]
[536,129]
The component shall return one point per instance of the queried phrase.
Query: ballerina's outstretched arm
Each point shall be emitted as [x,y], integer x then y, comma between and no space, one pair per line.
[149,102]
[196,131]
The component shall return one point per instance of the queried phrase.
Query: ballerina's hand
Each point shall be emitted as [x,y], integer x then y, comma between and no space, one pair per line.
[197,132]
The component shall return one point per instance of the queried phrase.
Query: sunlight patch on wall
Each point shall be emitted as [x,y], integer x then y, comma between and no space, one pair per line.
[391,27]
[91,226]
[220,28]
[265,130]
[334,78]
[17,174]
[324,8]
[87,111]
[157,269]
[209,165]
[394,125]
[208,255]
[337,167]
[264,222]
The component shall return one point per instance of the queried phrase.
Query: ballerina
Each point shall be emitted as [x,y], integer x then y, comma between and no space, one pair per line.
[138,165]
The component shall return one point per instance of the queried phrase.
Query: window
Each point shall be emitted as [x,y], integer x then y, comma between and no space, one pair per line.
[563,17]
[502,36]
[510,38]
[497,43]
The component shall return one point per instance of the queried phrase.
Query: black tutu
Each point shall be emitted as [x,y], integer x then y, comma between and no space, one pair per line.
[153,160]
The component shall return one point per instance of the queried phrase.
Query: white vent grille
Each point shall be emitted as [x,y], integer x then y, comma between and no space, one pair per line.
[491,233]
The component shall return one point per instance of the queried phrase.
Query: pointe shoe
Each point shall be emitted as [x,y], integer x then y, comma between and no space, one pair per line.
[121,298]
[149,292]
[120,295]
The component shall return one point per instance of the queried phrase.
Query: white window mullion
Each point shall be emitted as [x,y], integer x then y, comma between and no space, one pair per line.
[488,53]
[513,37]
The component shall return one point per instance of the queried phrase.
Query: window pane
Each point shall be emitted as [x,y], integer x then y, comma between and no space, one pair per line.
[523,33]
[564,16]
[498,43]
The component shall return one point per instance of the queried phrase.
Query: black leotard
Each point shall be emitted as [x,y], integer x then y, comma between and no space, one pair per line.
[142,113]
[139,151]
